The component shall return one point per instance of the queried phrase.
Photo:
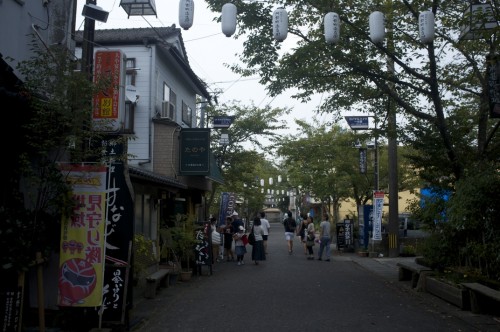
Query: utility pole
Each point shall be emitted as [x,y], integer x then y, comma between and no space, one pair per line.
[88,44]
[392,145]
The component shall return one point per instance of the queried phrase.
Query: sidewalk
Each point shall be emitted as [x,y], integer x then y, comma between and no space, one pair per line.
[384,267]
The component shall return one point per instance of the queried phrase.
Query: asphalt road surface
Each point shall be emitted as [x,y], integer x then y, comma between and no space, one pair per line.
[290,293]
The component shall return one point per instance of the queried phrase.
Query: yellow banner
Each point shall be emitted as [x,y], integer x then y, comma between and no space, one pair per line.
[81,265]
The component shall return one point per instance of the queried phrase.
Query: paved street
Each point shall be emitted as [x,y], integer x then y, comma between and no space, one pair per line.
[291,293]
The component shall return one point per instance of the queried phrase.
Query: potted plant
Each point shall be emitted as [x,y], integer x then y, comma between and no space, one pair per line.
[184,239]
[144,257]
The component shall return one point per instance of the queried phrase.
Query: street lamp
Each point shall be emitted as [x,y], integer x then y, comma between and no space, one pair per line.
[361,123]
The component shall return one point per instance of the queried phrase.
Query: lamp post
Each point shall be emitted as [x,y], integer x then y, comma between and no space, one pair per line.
[361,123]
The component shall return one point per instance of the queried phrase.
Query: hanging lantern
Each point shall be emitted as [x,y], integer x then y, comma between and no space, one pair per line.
[480,21]
[377,27]
[228,20]
[280,24]
[138,7]
[186,13]
[262,182]
[332,28]
[271,181]
[426,27]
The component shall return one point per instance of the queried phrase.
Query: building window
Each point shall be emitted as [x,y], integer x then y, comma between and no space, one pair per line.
[168,107]
[128,119]
[131,71]
[187,114]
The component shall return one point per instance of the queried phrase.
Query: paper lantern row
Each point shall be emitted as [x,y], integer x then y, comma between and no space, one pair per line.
[331,23]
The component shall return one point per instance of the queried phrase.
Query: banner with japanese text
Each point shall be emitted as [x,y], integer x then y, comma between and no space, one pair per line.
[227,207]
[117,292]
[82,250]
[378,208]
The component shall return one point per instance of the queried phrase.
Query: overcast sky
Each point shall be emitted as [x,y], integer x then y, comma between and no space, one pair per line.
[208,51]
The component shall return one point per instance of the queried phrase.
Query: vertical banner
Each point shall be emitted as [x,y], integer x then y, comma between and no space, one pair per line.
[493,76]
[348,231]
[340,236]
[81,265]
[365,223]
[108,104]
[119,235]
[202,246]
[378,207]
[362,160]
[227,206]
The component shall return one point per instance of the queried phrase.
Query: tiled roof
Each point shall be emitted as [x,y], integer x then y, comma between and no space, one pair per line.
[143,174]
[154,35]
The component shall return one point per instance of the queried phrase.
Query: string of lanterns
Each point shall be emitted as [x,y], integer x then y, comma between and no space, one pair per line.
[331,23]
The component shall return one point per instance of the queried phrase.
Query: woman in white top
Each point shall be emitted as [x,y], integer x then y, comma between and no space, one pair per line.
[258,251]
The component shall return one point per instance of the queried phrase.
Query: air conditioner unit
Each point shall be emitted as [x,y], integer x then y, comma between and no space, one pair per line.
[168,110]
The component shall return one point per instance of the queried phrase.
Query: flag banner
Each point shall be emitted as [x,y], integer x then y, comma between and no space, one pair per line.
[227,206]
[81,264]
[378,207]
[117,289]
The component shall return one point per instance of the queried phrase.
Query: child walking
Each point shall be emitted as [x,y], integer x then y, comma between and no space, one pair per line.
[239,245]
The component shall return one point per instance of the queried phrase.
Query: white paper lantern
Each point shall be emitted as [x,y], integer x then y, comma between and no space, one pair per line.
[426,27]
[377,27]
[186,13]
[332,28]
[228,20]
[280,24]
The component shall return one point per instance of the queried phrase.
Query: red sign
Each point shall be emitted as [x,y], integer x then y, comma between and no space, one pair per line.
[106,105]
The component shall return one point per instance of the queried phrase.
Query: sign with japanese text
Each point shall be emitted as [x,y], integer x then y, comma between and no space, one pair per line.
[202,247]
[227,207]
[362,160]
[348,232]
[81,265]
[357,122]
[108,104]
[493,72]
[378,207]
[117,290]
[195,151]
[223,121]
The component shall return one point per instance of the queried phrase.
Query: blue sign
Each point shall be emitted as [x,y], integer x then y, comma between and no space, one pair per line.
[357,122]
[222,121]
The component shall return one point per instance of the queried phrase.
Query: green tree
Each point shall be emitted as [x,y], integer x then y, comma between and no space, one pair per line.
[239,160]
[54,127]
[438,90]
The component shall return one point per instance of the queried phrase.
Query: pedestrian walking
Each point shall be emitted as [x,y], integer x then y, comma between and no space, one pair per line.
[236,222]
[216,240]
[324,238]
[228,240]
[290,226]
[266,226]
[239,246]
[258,252]
[302,232]
[310,237]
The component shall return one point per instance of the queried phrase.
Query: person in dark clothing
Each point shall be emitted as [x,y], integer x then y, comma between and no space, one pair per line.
[290,226]
[236,222]
[228,240]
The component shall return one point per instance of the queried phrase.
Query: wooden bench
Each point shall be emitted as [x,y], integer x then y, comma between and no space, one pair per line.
[411,271]
[483,299]
[155,281]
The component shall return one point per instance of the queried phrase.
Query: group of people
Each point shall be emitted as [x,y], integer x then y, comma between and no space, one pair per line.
[307,233]
[234,232]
